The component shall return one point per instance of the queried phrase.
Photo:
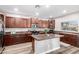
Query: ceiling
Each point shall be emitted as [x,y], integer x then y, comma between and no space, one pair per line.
[42,11]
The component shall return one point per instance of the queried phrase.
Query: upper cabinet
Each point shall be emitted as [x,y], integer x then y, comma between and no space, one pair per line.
[20,23]
[45,23]
[12,22]
[40,23]
[28,22]
[2,17]
[51,24]
[34,20]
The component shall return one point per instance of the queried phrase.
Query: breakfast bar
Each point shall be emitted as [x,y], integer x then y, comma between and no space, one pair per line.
[44,43]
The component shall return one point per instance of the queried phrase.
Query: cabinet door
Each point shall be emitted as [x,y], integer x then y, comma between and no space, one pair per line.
[70,39]
[24,23]
[34,20]
[51,23]
[29,22]
[20,23]
[16,39]
[13,22]
[39,23]
[44,23]
[9,40]
[2,17]
[19,38]
[10,22]
[22,38]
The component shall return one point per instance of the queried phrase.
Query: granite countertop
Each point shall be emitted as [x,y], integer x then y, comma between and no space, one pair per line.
[9,33]
[40,37]
[73,33]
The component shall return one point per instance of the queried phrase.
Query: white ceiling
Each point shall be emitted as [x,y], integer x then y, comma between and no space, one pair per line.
[30,10]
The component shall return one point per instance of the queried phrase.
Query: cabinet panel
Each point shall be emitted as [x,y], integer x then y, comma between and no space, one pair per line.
[46,24]
[51,24]
[20,23]
[34,21]
[43,23]
[8,40]
[16,39]
[10,22]
[14,22]
[29,22]
[70,39]
[2,17]
[40,23]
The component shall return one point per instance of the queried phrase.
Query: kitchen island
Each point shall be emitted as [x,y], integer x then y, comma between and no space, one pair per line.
[44,43]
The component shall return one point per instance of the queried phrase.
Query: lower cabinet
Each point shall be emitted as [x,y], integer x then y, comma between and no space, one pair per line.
[8,40]
[70,39]
[16,39]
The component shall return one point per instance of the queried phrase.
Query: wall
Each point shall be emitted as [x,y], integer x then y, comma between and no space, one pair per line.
[65,18]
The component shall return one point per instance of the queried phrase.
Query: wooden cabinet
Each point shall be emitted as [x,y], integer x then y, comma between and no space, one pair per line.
[44,23]
[2,17]
[34,20]
[40,23]
[10,22]
[70,39]
[23,23]
[9,40]
[20,23]
[14,22]
[51,24]
[29,22]
[16,39]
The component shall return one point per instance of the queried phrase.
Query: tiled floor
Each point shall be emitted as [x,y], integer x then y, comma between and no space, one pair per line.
[26,48]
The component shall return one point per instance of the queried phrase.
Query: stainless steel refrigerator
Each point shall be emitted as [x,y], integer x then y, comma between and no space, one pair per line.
[1,34]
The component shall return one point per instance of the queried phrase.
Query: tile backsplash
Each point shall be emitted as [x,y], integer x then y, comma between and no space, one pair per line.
[22,29]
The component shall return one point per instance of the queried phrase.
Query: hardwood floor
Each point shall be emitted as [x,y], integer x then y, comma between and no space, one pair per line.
[26,48]
[66,49]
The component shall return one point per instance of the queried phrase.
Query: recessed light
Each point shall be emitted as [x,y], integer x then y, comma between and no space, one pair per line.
[47,6]
[64,11]
[50,16]
[15,9]
[37,13]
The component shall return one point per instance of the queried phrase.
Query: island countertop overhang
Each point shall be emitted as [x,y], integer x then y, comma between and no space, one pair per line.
[40,37]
